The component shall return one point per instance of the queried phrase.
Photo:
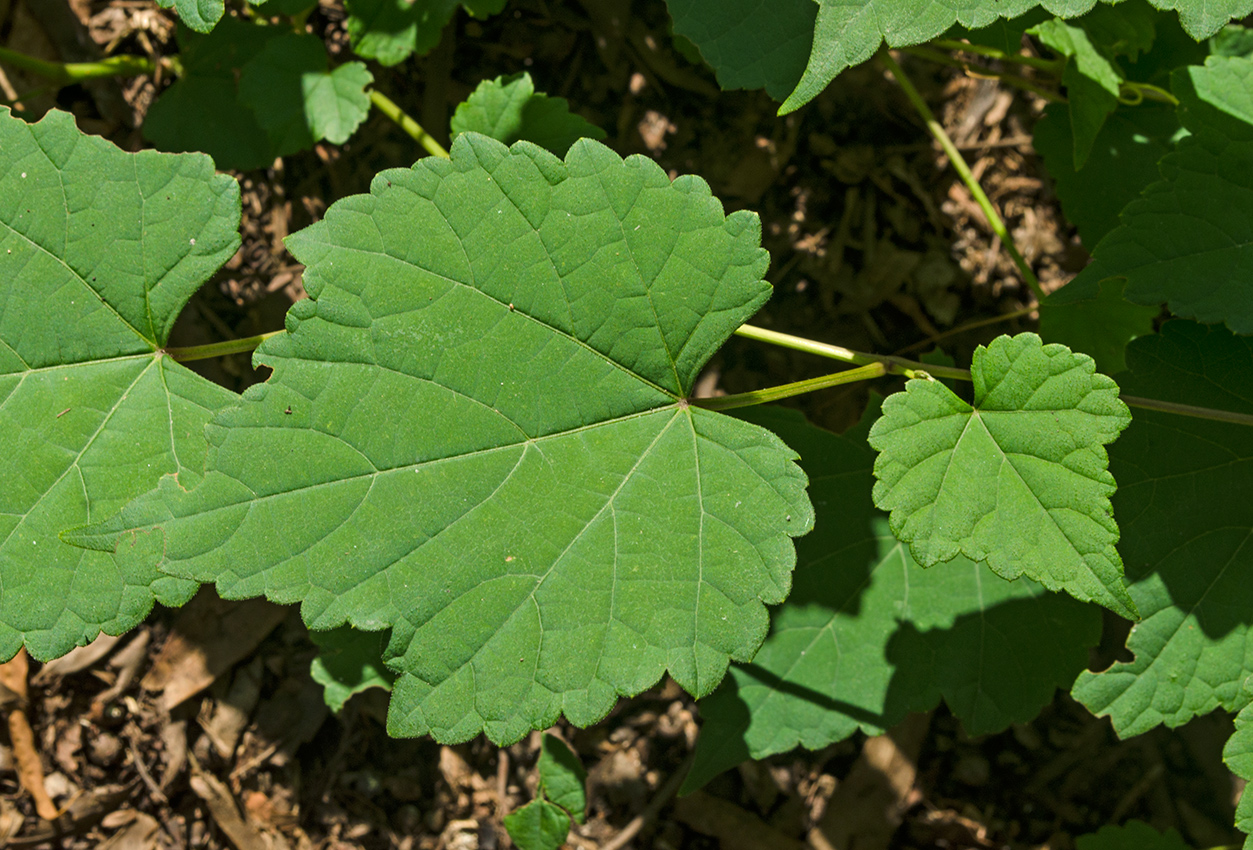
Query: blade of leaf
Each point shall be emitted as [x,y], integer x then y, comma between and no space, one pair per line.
[99,250]
[480,438]
[1019,480]
[1132,835]
[1185,502]
[868,636]
[1091,81]
[348,662]
[539,825]
[390,31]
[1238,754]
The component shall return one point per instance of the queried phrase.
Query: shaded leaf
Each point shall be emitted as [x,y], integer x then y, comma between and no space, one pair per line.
[251,93]
[868,636]
[1019,480]
[1100,326]
[1185,504]
[1122,164]
[538,533]
[99,250]
[509,109]
[200,15]
[1091,82]
[750,46]
[1188,241]
[348,662]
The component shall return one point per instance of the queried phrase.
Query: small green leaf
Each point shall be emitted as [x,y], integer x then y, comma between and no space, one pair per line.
[562,778]
[1233,40]
[1238,754]
[540,532]
[868,636]
[539,825]
[99,250]
[1132,835]
[1185,504]
[1128,29]
[350,661]
[1091,82]
[250,93]
[390,31]
[508,109]
[1100,326]
[1188,241]
[1019,480]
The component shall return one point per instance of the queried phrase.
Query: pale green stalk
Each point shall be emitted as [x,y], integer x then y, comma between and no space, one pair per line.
[1052,66]
[730,402]
[66,73]
[388,107]
[893,365]
[963,170]
[217,349]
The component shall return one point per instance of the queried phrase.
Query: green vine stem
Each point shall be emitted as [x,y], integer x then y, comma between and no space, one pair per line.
[389,108]
[1132,94]
[963,170]
[730,402]
[66,73]
[892,365]
[217,349]
[910,369]
[981,72]
[1049,66]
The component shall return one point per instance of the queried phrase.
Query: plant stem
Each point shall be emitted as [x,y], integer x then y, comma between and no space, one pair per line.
[893,365]
[729,402]
[388,107]
[981,72]
[1188,410]
[963,170]
[73,72]
[1052,66]
[217,349]
[1139,92]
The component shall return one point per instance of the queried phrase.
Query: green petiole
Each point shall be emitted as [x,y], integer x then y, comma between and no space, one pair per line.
[217,349]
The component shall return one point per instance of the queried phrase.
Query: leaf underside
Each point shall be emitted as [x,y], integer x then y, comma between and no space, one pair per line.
[99,250]
[1185,502]
[868,636]
[1019,479]
[479,438]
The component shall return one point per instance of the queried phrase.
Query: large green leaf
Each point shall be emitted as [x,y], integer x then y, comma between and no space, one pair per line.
[477,433]
[1238,754]
[1188,241]
[99,249]
[868,636]
[848,32]
[509,110]
[1100,326]
[1185,504]
[251,93]
[1019,479]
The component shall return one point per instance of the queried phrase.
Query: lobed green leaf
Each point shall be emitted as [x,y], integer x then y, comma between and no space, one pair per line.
[477,434]
[1019,479]
[99,250]
[508,109]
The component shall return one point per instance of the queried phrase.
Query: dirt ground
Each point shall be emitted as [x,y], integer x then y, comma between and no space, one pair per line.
[203,728]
